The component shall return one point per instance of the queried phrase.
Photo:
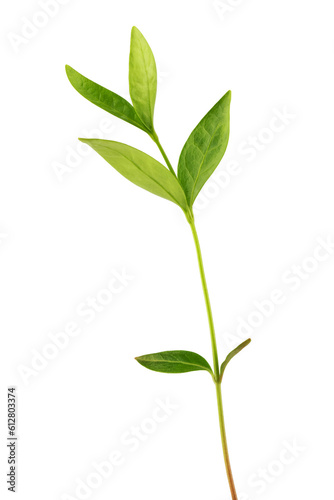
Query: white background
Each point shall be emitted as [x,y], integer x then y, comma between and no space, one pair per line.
[62,237]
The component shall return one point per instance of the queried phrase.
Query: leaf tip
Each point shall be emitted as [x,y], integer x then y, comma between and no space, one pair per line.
[71,75]
[135,30]
[136,35]
[139,360]
[68,69]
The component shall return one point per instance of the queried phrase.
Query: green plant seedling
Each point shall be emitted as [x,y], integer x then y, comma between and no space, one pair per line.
[200,156]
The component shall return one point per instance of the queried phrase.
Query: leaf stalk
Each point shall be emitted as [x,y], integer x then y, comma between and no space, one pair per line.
[162,151]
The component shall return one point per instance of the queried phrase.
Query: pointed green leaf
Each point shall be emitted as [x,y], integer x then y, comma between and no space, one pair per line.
[142,77]
[104,98]
[174,362]
[141,169]
[204,148]
[231,355]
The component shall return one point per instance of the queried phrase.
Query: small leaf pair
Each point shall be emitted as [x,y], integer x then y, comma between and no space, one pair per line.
[142,81]
[184,361]
[200,155]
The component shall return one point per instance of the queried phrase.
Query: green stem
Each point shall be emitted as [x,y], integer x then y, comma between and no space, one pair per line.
[168,163]
[215,363]
[207,301]
[224,442]
[217,377]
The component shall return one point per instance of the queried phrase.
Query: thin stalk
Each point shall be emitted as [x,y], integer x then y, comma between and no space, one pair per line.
[168,163]
[215,363]
[207,301]
[217,379]
[224,442]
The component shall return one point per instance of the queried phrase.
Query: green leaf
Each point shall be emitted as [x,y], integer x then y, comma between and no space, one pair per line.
[174,362]
[104,98]
[231,355]
[142,77]
[204,148]
[141,169]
